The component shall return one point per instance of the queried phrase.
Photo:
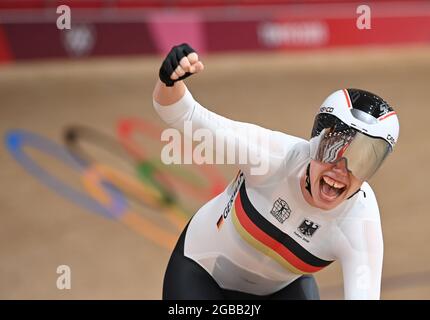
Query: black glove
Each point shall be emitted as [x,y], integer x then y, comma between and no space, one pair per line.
[172,61]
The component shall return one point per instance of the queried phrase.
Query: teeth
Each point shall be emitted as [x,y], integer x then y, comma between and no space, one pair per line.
[338,185]
[333,183]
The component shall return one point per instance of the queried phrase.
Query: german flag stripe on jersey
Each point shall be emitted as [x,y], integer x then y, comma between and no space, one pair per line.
[271,241]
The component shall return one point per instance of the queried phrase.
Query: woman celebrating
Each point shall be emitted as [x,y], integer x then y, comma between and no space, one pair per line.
[265,234]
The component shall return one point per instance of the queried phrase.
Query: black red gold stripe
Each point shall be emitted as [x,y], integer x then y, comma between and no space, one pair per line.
[265,237]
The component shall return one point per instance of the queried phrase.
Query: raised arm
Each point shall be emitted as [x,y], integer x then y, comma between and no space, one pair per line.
[264,149]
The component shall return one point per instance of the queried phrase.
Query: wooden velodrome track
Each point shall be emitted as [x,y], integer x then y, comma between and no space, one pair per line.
[40,230]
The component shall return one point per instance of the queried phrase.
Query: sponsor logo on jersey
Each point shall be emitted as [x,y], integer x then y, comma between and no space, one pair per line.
[281,210]
[235,188]
[308,228]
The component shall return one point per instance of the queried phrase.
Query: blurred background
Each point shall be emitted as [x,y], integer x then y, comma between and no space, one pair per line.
[81,183]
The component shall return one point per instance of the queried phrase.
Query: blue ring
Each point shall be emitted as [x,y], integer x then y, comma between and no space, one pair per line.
[16,139]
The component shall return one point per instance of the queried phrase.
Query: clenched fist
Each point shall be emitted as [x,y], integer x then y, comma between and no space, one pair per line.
[181,62]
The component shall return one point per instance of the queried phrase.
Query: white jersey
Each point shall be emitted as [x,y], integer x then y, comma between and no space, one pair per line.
[260,234]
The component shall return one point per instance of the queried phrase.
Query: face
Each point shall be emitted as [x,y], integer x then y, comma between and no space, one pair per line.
[331,184]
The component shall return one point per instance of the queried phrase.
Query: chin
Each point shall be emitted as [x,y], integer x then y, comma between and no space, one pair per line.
[321,204]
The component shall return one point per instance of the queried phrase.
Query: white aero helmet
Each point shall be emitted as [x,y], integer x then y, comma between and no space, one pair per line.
[355,125]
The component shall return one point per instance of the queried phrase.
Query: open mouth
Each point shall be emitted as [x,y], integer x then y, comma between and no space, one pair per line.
[331,189]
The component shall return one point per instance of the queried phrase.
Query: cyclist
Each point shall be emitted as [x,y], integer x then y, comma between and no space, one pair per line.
[265,235]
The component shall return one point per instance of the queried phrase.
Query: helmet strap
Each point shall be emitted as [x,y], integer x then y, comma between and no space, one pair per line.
[308,179]
[356,193]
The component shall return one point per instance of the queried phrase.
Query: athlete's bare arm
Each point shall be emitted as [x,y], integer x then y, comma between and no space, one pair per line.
[165,95]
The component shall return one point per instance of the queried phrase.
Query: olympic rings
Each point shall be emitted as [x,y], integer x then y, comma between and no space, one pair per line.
[108,188]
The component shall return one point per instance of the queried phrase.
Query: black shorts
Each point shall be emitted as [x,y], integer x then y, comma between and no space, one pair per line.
[185,279]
